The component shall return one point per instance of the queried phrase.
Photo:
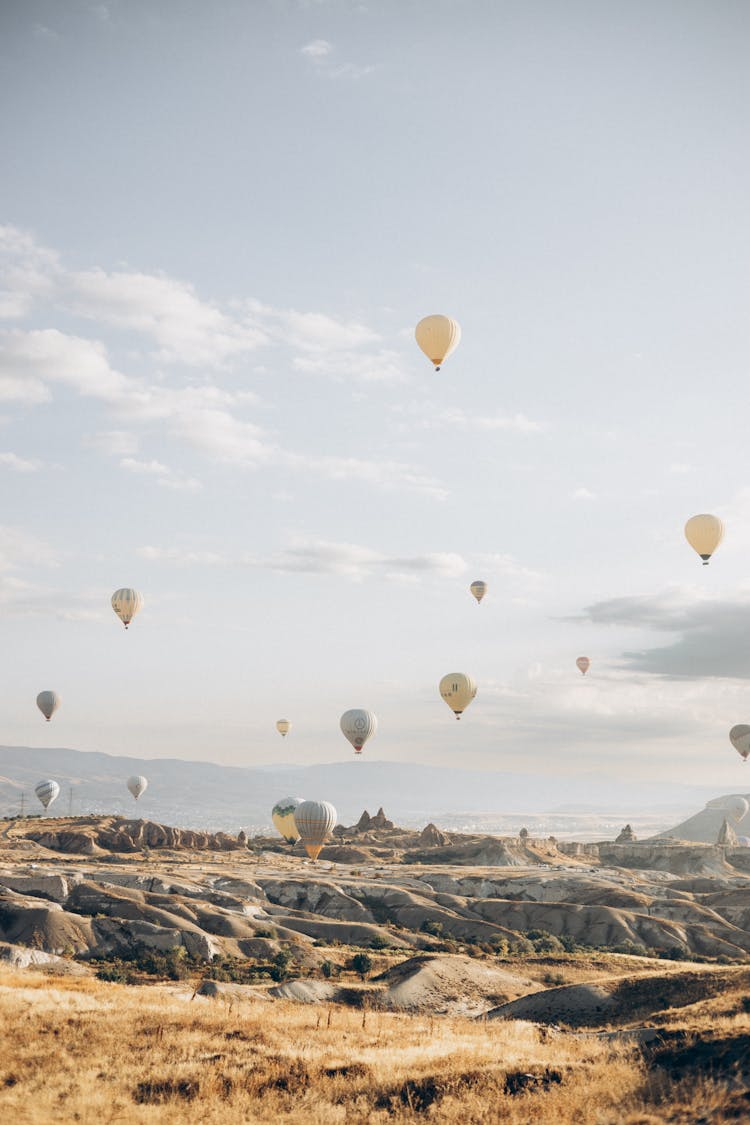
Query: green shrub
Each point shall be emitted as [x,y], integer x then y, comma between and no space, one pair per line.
[361,963]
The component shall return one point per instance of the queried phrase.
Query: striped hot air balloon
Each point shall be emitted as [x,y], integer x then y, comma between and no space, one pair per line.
[126,603]
[47,792]
[315,820]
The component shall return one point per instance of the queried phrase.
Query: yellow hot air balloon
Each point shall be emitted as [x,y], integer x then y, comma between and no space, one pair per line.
[458,690]
[583,664]
[478,589]
[704,533]
[283,726]
[282,815]
[438,336]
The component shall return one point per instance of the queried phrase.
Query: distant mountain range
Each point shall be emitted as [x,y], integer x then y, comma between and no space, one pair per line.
[207,795]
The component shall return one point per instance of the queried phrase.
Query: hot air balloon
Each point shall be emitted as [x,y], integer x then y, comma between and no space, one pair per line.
[282,815]
[737,808]
[283,726]
[704,533]
[358,726]
[137,784]
[315,820]
[126,603]
[739,736]
[583,664]
[458,690]
[48,702]
[47,792]
[438,336]
[478,589]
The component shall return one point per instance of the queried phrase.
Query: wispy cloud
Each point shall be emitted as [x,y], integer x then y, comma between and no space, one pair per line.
[202,416]
[418,416]
[19,464]
[162,474]
[322,55]
[317,49]
[320,556]
[27,272]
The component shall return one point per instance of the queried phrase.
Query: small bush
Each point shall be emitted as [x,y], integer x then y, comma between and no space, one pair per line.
[429,926]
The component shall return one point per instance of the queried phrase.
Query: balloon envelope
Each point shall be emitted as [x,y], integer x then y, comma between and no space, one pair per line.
[704,533]
[739,736]
[438,336]
[478,589]
[283,726]
[315,821]
[458,690]
[583,663]
[47,792]
[126,603]
[282,815]
[358,725]
[737,808]
[48,702]
[137,784]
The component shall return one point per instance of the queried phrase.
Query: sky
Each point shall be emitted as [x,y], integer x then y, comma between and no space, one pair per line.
[219,225]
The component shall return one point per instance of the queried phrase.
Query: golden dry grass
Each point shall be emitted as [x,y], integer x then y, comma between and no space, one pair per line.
[85,1051]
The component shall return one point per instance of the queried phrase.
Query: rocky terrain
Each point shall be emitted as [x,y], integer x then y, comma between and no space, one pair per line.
[428,905]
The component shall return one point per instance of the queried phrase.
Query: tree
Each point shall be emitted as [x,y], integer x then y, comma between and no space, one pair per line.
[362,964]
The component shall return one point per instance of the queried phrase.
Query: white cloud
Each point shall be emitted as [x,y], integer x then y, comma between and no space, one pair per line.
[180,556]
[320,556]
[116,443]
[582,494]
[20,549]
[320,53]
[455,418]
[19,464]
[163,475]
[23,389]
[28,271]
[317,49]
[186,329]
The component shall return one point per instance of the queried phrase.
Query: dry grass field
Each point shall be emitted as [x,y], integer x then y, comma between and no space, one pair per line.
[82,1050]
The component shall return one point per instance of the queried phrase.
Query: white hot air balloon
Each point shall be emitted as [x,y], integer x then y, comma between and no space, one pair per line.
[315,821]
[137,784]
[438,336]
[704,534]
[47,792]
[126,603]
[358,725]
[739,736]
[478,589]
[48,702]
[583,664]
[458,690]
[282,815]
[283,726]
[737,808]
